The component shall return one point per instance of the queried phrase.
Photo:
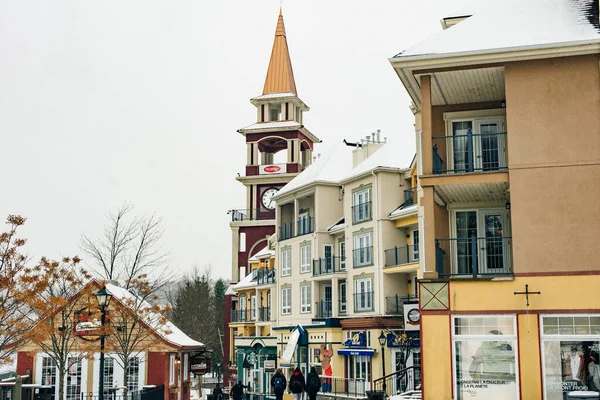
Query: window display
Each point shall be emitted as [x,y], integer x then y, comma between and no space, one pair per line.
[485,357]
[571,348]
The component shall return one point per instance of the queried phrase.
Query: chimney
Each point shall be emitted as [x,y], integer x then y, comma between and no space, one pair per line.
[368,146]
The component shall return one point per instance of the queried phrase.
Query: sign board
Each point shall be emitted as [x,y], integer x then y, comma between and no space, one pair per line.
[288,353]
[87,324]
[272,169]
[200,365]
[412,317]
[269,365]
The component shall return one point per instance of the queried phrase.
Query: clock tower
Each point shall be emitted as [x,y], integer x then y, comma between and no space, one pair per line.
[278,147]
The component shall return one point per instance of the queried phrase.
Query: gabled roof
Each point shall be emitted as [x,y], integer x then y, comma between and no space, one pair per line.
[245,283]
[280,76]
[508,25]
[394,155]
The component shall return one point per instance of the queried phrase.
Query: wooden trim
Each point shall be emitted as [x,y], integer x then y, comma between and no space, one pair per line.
[457,68]
[451,356]
[464,179]
[558,273]
[540,355]
[514,311]
[519,363]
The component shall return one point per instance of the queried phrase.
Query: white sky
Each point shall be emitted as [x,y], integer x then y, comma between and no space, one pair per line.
[113,101]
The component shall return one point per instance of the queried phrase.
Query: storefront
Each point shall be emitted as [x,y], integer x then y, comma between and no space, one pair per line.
[256,360]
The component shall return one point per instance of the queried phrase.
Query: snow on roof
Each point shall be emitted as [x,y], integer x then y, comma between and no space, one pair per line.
[274,96]
[271,125]
[499,26]
[338,224]
[328,168]
[393,154]
[168,331]
[403,210]
[9,367]
[230,291]
[245,283]
[262,254]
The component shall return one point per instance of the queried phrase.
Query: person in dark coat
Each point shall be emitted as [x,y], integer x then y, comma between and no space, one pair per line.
[218,392]
[297,384]
[313,384]
[278,383]
[237,391]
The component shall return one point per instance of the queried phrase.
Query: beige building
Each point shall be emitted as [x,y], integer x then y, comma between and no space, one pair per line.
[507,108]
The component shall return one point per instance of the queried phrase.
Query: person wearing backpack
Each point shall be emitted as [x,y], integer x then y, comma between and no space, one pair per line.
[278,383]
[218,392]
[297,384]
[313,384]
[237,391]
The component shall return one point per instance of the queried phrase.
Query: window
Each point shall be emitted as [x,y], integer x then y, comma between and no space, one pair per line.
[363,250]
[286,301]
[363,295]
[485,352]
[133,374]
[274,112]
[109,372]
[343,256]
[243,308]
[361,210]
[49,372]
[253,307]
[415,245]
[304,223]
[286,262]
[242,242]
[73,386]
[172,370]
[305,298]
[342,297]
[570,348]
[305,258]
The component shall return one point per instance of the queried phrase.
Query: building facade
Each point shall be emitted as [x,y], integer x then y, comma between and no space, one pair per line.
[508,130]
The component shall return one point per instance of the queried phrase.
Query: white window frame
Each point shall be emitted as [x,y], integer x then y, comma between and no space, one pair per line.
[305,298]
[286,301]
[369,254]
[305,258]
[548,337]
[514,338]
[172,370]
[342,251]
[356,196]
[414,251]
[370,302]
[343,306]
[286,262]
[253,307]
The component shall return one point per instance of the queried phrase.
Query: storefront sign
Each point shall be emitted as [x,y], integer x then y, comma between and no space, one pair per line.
[269,365]
[200,365]
[356,352]
[272,169]
[288,353]
[357,340]
[412,317]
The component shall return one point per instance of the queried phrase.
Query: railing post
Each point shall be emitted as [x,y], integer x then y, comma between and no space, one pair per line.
[397,305]
[395,255]
[474,254]
[470,164]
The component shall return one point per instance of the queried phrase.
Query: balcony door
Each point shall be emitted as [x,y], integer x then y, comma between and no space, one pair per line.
[479,241]
[327,297]
[328,255]
[477,145]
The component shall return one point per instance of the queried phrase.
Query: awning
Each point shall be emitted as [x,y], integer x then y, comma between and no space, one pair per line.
[356,352]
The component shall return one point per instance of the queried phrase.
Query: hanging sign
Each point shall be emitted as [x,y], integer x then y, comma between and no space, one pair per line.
[269,365]
[412,317]
[200,365]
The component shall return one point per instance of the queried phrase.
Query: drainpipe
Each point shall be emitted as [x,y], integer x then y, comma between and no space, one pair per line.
[379,232]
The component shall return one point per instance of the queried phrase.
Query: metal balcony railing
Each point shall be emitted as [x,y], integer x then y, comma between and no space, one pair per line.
[361,212]
[410,197]
[305,226]
[328,265]
[264,314]
[240,316]
[394,305]
[469,153]
[363,301]
[323,309]
[363,256]
[401,255]
[264,276]
[253,214]
[402,381]
[474,256]
[286,231]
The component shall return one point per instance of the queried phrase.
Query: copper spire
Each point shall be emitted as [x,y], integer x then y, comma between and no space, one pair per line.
[280,76]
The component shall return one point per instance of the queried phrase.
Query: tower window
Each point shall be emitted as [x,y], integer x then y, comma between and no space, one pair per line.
[274,113]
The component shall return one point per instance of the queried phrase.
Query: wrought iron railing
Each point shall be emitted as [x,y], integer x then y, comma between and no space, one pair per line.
[286,231]
[361,212]
[264,276]
[323,309]
[474,256]
[405,380]
[264,314]
[363,256]
[328,265]
[394,305]
[363,301]
[239,316]
[252,214]
[469,153]
[401,255]
[305,226]
[355,388]
[410,197]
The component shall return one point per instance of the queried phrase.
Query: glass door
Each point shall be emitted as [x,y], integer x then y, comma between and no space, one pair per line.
[489,147]
[493,249]
[342,297]
[328,255]
[359,372]
[462,147]
[327,297]
[342,256]
[466,232]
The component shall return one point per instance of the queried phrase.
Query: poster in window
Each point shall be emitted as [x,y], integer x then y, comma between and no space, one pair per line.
[486,369]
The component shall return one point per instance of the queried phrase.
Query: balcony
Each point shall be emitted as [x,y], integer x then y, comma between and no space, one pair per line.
[323,309]
[363,301]
[253,214]
[363,256]
[239,316]
[468,153]
[286,231]
[303,226]
[263,276]
[401,255]
[474,257]
[410,197]
[361,212]
[394,305]
[328,265]
[264,314]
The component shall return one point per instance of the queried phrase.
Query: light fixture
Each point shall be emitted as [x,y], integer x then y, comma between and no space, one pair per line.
[507,205]
[103,297]
[382,339]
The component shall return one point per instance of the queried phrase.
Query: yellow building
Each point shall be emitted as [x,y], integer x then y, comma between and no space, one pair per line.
[507,107]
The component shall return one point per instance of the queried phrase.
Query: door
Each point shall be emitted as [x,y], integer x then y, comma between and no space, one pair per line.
[364,295]
[489,147]
[362,250]
[342,256]
[462,146]
[412,378]
[362,210]
[492,246]
[359,374]
[466,231]
[342,297]
[328,256]
[327,297]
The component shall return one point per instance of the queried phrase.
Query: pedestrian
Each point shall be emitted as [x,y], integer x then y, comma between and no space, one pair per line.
[278,383]
[237,391]
[218,392]
[313,384]
[297,384]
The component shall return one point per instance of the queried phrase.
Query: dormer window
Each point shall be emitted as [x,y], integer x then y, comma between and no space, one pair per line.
[274,112]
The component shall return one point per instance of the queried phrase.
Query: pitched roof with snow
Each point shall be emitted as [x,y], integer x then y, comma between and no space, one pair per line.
[265,252]
[393,155]
[166,330]
[500,26]
[245,283]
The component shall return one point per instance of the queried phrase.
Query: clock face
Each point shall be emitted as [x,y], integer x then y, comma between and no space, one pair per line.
[414,315]
[267,198]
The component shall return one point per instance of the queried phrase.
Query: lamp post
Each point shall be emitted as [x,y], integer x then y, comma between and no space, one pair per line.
[382,339]
[103,298]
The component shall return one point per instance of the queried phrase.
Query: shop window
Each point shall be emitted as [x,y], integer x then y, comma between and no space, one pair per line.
[570,354]
[485,357]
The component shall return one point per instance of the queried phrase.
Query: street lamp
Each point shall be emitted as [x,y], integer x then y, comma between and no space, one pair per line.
[103,297]
[382,339]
